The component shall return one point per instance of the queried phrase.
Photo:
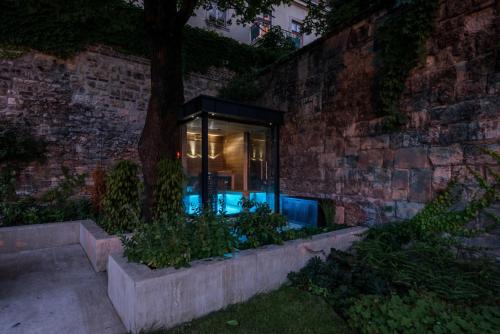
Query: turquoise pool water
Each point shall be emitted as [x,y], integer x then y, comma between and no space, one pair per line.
[230,199]
[299,212]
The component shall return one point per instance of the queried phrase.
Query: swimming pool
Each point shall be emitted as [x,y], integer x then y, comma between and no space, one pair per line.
[300,212]
[230,200]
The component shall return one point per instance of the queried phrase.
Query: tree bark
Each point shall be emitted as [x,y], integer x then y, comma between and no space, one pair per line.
[160,136]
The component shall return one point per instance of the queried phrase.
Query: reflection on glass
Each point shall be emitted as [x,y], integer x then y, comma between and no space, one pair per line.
[191,161]
[239,164]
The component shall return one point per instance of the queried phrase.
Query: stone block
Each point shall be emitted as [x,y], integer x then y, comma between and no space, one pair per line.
[400,179]
[339,215]
[412,157]
[446,155]
[369,143]
[146,299]
[406,210]
[441,177]
[420,185]
[371,158]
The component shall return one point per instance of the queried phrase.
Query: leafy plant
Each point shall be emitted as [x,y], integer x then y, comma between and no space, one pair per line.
[400,41]
[420,313]
[212,235]
[169,188]
[57,204]
[65,27]
[163,243]
[260,227]
[121,203]
[18,148]
[243,88]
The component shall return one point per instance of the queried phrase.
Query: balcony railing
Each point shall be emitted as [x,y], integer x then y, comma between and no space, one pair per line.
[260,29]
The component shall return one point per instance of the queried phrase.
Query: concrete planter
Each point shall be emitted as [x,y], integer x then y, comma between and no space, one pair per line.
[29,237]
[146,298]
[98,244]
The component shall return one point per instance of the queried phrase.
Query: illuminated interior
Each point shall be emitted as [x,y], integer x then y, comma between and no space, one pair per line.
[239,164]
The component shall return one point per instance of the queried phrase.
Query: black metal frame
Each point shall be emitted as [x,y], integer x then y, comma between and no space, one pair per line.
[210,107]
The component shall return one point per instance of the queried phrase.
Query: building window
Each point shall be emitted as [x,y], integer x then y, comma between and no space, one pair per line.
[261,26]
[296,32]
[216,16]
[296,27]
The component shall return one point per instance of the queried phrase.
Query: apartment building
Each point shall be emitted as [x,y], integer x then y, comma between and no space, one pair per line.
[289,17]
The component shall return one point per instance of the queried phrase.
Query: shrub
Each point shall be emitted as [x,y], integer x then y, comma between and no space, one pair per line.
[169,188]
[212,235]
[57,204]
[121,203]
[420,313]
[161,244]
[261,227]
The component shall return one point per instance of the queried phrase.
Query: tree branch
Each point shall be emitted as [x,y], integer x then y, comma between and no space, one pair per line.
[185,12]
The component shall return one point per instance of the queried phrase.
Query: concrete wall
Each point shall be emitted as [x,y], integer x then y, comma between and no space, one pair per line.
[90,109]
[96,243]
[333,145]
[145,298]
[20,238]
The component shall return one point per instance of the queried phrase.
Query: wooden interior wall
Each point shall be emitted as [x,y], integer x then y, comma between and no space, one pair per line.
[235,158]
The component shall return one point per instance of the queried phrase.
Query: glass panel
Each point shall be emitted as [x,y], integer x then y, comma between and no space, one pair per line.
[260,171]
[238,164]
[191,161]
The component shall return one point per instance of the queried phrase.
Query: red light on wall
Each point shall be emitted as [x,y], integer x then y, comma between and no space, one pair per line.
[178,155]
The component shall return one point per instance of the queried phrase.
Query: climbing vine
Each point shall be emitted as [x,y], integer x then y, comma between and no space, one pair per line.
[400,39]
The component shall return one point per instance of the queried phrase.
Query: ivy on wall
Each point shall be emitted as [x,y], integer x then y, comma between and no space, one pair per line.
[400,39]
[65,27]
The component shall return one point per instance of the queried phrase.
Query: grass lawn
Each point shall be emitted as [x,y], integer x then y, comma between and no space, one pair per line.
[287,310]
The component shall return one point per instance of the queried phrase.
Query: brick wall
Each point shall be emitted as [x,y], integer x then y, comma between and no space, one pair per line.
[89,109]
[332,145]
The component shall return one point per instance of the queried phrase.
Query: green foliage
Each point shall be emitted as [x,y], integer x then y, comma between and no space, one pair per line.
[161,244]
[172,240]
[420,313]
[65,27]
[243,88]
[169,188]
[275,40]
[121,203]
[57,204]
[402,40]
[284,311]
[212,235]
[373,285]
[18,146]
[260,227]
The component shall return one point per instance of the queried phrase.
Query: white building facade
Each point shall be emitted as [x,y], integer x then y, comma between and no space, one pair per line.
[289,17]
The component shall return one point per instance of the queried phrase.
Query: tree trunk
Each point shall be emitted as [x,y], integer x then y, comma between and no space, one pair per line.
[160,136]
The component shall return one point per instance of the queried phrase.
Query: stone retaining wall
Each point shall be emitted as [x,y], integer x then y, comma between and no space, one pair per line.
[90,108]
[332,144]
